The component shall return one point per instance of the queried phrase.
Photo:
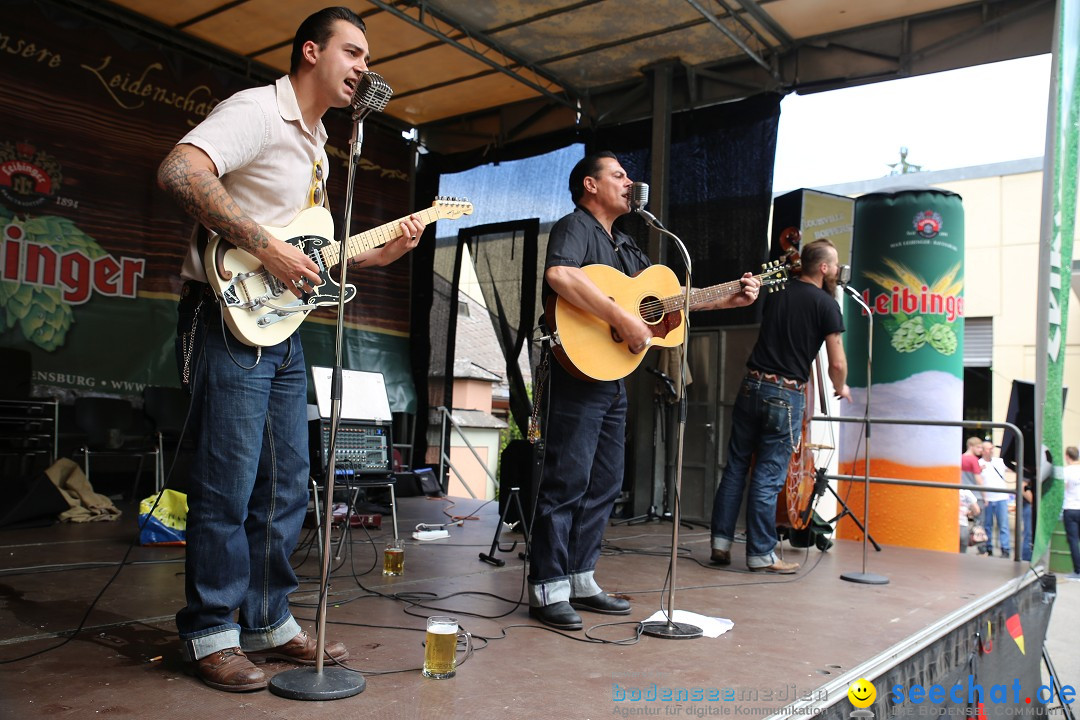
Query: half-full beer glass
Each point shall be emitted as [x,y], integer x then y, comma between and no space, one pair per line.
[394,558]
[440,648]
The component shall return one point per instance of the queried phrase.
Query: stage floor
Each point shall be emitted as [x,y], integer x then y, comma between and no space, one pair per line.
[792,635]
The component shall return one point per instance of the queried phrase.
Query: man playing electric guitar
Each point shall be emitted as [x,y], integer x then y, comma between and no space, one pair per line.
[256,160]
[583,466]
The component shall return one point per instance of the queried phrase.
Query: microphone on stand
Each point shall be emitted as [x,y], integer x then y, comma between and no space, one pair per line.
[318,683]
[843,277]
[639,198]
[371,94]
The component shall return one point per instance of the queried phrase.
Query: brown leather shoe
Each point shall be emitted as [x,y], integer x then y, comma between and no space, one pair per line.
[229,670]
[779,567]
[720,557]
[301,650]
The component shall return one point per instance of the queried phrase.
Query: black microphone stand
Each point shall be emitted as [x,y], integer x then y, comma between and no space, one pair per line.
[671,395]
[670,629]
[334,683]
[864,577]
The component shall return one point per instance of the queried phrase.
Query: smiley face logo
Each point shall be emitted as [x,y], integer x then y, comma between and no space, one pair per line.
[862,693]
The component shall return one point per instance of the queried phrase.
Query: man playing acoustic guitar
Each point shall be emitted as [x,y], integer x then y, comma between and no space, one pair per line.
[583,466]
[257,159]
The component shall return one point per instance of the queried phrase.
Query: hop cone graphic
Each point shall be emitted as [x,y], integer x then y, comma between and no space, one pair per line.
[942,338]
[910,336]
[40,313]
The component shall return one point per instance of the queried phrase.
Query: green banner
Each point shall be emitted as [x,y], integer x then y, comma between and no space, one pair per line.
[90,248]
[1056,252]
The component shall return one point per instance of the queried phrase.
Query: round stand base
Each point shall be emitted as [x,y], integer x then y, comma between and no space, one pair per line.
[333,683]
[671,630]
[865,578]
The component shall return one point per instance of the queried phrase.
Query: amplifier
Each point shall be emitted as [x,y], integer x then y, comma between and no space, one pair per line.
[363,446]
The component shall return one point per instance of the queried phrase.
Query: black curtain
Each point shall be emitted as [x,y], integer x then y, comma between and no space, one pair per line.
[505,257]
[719,197]
[719,193]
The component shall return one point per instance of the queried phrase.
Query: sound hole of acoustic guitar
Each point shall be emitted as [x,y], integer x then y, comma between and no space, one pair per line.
[651,310]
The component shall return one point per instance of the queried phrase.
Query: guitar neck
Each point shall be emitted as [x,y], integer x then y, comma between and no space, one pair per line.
[383,234]
[703,296]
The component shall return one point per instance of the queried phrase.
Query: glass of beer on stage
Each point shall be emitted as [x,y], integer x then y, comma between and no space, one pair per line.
[440,647]
[393,562]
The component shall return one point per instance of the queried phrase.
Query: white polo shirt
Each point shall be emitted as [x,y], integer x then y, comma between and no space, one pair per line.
[264,155]
[1071,500]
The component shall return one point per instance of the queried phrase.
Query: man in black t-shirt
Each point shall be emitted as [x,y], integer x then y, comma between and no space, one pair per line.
[767,421]
[584,430]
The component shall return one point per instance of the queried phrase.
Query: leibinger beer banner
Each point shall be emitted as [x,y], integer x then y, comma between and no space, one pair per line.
[908,262]
[1055,259]
[90,248]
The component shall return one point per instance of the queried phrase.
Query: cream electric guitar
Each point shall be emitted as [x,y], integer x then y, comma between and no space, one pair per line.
[588,348]
[260,309]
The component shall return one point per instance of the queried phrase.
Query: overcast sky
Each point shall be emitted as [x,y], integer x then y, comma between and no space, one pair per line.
[978,115]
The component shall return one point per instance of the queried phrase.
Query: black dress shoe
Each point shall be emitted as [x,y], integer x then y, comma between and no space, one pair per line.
[557,615]
[602,603]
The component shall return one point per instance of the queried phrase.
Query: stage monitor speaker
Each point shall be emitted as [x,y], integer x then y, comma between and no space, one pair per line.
[519,467]
[1022,414]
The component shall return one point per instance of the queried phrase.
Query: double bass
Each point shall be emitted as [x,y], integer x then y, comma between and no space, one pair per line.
[793,504]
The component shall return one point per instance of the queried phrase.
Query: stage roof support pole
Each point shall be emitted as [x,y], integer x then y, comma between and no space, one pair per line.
[662,79]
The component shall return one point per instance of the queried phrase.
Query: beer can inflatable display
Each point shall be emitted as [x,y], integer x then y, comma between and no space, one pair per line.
[908,265]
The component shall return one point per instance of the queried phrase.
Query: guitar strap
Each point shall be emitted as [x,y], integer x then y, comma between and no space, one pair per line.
[538,417]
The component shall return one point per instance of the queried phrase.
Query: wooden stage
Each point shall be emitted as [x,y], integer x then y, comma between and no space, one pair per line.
[808,635]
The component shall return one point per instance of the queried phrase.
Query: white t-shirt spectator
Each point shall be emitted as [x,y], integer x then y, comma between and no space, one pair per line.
[1072,488]
[993,474]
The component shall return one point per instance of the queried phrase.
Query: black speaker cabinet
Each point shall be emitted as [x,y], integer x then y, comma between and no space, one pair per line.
[815,215]
[1022,415]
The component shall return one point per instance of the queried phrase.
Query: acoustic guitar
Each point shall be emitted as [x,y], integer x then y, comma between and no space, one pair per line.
[590,349]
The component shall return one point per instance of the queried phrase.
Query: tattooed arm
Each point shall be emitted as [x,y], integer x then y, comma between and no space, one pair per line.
[189,176]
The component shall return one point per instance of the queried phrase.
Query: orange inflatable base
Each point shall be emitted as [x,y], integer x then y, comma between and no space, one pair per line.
[902,515]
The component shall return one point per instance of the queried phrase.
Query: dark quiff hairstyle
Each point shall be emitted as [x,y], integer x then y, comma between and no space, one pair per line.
[318,28]
[588,166]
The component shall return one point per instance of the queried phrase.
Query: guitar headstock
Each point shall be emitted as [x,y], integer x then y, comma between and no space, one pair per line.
[449,208]
[773,276]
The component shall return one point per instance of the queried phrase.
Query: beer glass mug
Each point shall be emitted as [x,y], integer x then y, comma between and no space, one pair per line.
[440,647]
[394,557]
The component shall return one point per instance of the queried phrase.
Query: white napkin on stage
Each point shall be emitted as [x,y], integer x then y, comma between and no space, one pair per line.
[710,626]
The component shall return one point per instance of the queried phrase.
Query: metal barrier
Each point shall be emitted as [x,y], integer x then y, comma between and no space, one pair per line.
[1018,491]
[444,457]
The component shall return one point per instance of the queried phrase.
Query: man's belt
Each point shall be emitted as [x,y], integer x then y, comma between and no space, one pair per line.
[776,379]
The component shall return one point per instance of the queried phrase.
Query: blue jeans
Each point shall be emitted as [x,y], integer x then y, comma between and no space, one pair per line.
[996,511]
[583,474]
[765,424]
[1071,520]
[248,488]
[1025,551]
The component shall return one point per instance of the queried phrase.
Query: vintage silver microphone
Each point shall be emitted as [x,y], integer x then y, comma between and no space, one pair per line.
[843,277]
[639,198]
[371,94]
